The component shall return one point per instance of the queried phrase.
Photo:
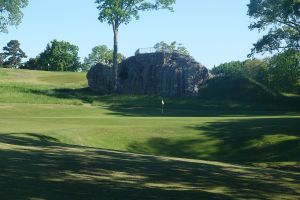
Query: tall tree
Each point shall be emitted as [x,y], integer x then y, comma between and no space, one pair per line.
[117,12]
[10,13]
[60,56]
[101,54]
[13,54]
[282,20]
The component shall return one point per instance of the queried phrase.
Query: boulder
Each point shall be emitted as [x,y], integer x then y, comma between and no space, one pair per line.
[100,78]
[166,74]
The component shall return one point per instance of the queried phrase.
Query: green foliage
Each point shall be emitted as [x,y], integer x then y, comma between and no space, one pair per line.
[10,13]
[228,69]
[101,54]
[31,64]
[257,69]
[282,18]
[116,12]
[279,73]
[285,71]
[249,79]
[59,56]
[173,47]
[13,54]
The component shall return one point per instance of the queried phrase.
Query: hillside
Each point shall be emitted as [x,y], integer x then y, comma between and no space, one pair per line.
[57,79]
[58,140]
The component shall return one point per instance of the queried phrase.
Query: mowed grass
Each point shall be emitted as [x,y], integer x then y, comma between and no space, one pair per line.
[58,140]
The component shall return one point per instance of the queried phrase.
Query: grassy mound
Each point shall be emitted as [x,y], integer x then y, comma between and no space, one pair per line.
[237,88]
[27,86]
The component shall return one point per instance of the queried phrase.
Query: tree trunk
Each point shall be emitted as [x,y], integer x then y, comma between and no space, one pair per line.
[115,59]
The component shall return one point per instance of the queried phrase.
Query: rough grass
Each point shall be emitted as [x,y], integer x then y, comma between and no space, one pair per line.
[25,86]
[58,79]
[55,134]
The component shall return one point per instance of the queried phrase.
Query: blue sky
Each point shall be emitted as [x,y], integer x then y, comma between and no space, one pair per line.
[213,31]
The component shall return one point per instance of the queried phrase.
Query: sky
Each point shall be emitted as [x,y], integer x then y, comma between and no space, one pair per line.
[214,32]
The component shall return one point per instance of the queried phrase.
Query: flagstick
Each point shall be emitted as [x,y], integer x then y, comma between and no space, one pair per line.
[162,106]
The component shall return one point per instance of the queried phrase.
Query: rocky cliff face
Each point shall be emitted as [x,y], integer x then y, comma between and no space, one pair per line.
[166,74]
[100,78]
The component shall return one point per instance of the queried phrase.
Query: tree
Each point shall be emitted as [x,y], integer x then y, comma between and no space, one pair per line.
[281,18]
[117,12]
[10,13]
[285,71]
[173,47]
[59,56]
[233,68]
[31,64]
[257,69]
[13,54]
[101,54]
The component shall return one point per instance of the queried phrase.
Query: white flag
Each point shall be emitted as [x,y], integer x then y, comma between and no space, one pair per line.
[162,102]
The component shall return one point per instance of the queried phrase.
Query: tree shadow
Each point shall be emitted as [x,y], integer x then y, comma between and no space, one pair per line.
[150,106]
[235,141]
[83,94]
[34,166]
[28,139]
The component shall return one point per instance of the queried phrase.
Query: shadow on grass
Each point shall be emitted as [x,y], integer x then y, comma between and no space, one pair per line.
[139,105]
[234,141]
[33,166]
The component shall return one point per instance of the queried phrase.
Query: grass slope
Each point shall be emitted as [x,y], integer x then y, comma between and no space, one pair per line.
[53,135]
[34,166]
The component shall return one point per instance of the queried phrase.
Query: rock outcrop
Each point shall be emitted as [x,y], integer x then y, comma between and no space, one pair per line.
[100,78]
[166,74]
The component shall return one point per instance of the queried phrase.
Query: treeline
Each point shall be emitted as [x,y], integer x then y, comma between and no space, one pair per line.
[58,56]
[280,72]
[63,56]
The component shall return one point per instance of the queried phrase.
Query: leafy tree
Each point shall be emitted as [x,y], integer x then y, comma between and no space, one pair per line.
[31,64]
[101,54]
[171,48]
[117,12]
[257,69]
[280,73]
[13,54]
[285,71]
[10,13]
[281,18]
[59,56]
[233,68]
